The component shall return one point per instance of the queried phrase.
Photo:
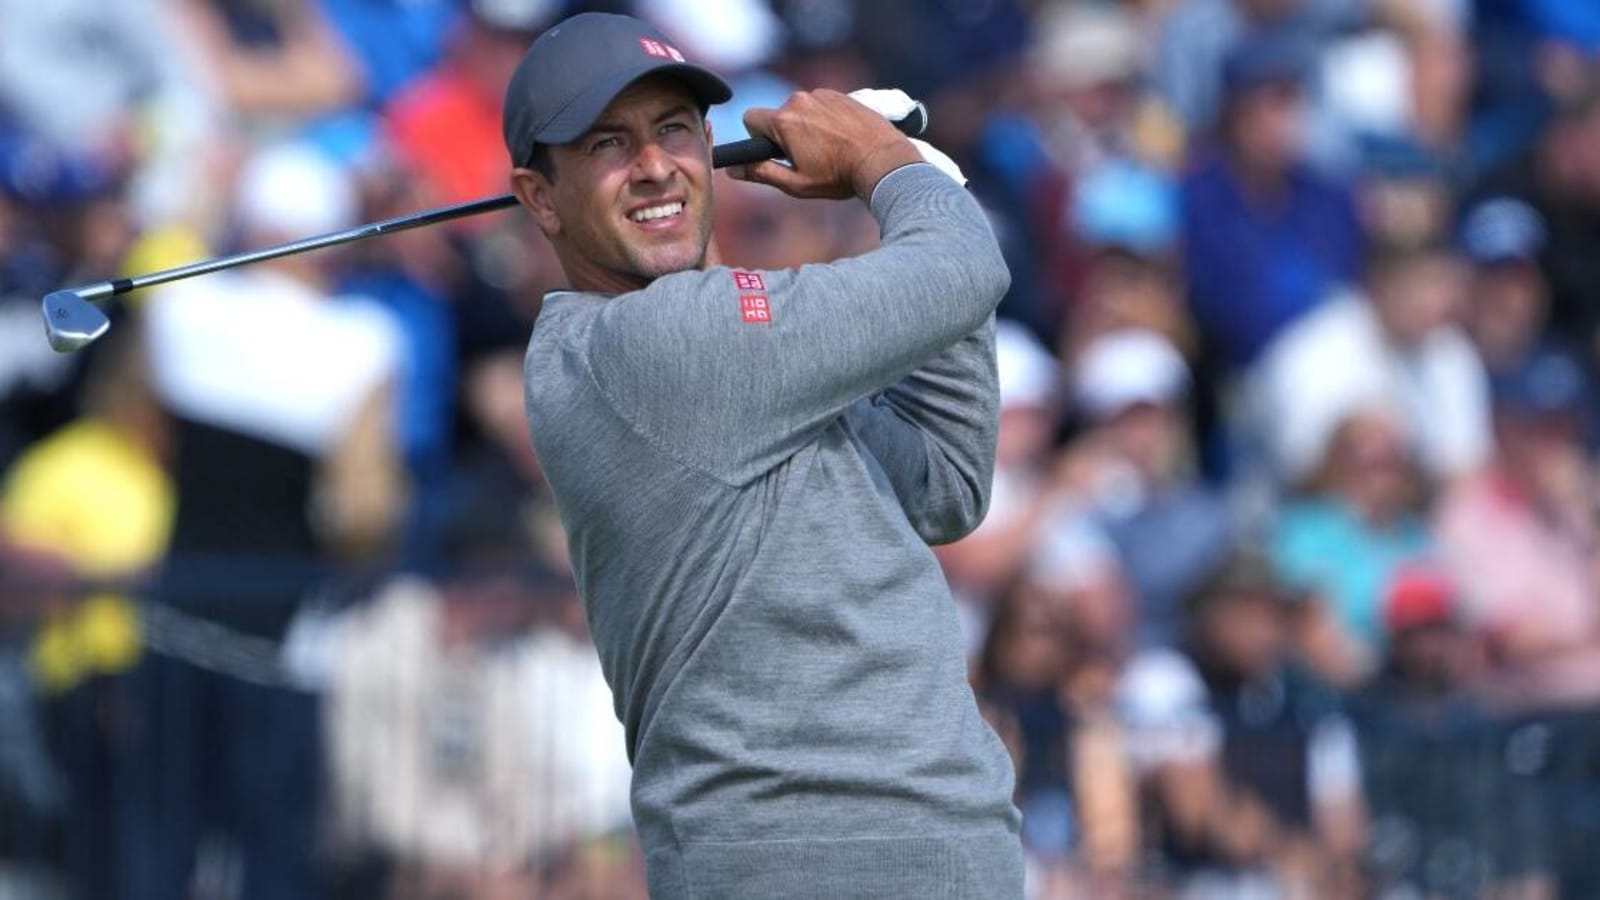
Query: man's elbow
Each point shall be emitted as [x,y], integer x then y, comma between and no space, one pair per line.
[960,515]
[985,270]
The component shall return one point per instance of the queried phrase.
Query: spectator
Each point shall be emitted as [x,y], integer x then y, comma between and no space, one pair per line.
[1266,238]
[1558,179]
[280,402]
[1384,66]
[96,496]
[106,82]
[269,62]
[445,125]
[1395,345]
[1169,530]
[34,797]
[444,756]
[1265,799]
[394,41]
[1404,193]
[1085,62]
[1344,542]
[1450,816]
[1521,538]
[1510,304]
[1121,264]
[1072,787]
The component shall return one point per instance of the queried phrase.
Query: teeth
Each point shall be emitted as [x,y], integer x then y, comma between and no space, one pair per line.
[656,212]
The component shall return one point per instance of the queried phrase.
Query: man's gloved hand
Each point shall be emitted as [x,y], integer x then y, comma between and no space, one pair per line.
[894,105]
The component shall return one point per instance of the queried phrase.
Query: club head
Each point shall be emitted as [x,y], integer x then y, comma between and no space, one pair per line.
[71,322]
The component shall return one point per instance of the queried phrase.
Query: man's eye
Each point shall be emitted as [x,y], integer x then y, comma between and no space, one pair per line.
[674,127]
[605,144]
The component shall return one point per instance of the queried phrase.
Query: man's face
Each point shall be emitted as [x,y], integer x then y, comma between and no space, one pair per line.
[1247,634]
[1420,297]
[630,200]
[1507,309]
[1268,126]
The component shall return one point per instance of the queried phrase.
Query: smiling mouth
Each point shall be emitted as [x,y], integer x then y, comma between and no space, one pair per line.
[656,213]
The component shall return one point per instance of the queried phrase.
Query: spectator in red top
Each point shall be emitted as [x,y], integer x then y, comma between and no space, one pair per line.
[1522,537]
[1435,763]
[446,125]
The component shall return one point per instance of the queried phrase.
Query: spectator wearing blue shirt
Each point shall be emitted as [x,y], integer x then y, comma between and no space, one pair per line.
[395,40]
[1266,238]
[1344,542]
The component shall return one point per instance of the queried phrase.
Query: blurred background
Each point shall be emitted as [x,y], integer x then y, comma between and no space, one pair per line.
[1289,585]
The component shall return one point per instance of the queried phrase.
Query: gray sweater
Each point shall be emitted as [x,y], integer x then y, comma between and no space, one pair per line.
[750,467]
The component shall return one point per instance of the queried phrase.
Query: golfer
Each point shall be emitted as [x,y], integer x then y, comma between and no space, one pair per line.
[750,466]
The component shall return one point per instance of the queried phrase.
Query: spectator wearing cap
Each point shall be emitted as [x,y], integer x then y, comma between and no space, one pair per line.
[1085,108]
[1343,542]
[1521,538]
[1509,309]
[1086,82]
[1381,66]
[1558,179]
[1198,37]
[1266,238]
[1121,263]
[1404,193]
[1435,761]
[1265,798]
[1394,344]
[1138,475]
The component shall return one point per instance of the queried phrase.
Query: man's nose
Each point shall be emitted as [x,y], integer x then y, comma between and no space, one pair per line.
[653,163]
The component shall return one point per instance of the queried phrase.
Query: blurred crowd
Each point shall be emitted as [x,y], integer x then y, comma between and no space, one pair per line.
[1289,585]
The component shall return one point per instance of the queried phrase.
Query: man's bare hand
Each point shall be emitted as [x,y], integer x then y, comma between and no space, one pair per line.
[839,148]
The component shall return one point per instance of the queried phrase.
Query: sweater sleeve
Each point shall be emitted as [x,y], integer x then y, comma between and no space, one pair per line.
[732,371]
[934,434]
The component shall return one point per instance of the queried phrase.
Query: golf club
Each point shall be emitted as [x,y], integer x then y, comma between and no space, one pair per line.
[72,321]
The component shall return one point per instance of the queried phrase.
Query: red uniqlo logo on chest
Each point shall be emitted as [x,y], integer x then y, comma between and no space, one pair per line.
[749,281]
[664,51]
[755,309]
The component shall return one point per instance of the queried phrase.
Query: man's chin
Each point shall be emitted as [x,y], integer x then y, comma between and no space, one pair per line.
[667,261]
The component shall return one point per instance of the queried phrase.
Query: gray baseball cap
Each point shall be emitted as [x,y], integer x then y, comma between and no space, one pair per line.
[580,65]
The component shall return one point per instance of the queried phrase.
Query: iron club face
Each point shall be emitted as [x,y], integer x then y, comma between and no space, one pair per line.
[71,322]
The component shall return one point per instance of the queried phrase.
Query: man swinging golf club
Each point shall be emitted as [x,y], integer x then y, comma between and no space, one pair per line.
[749,467]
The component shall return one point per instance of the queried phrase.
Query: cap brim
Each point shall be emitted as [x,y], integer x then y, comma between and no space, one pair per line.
[580,115]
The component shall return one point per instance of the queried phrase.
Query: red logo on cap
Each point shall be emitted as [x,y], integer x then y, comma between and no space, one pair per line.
[755,309]
[659,49]
[749,281]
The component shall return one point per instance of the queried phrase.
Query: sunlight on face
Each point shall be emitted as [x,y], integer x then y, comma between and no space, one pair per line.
[633,194]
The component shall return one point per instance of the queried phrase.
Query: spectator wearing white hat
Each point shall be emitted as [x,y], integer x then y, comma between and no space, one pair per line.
[282,462]
[1138,478]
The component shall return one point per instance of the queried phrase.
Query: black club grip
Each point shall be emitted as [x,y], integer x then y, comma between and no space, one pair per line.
[756,149]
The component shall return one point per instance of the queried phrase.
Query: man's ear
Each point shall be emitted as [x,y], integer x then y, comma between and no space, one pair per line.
[533,191]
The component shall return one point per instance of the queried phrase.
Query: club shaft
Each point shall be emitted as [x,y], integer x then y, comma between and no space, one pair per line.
[116,286]
[724,155]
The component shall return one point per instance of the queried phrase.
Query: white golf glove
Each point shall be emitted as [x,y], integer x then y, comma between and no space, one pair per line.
[895,105]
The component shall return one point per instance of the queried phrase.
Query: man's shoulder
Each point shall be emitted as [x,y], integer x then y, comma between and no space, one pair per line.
[1339,327]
